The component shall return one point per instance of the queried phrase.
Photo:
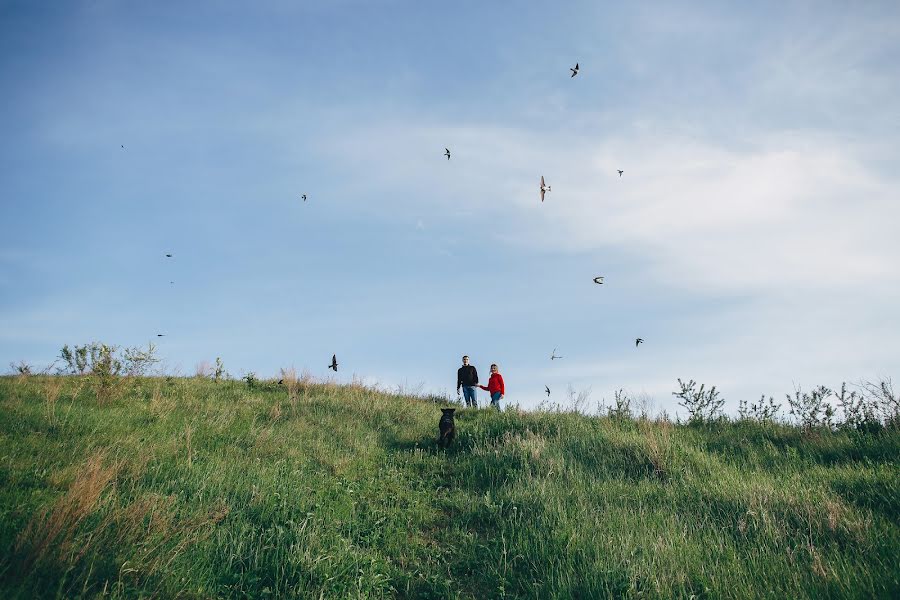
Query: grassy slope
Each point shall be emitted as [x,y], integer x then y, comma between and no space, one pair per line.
[186,487]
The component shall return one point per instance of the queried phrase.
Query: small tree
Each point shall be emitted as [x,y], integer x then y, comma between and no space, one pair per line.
[702,405]
[76,359]
[812,409]
[622,408]
[859,411]
[136,362]
[220,370]
[764,411]
[105,370]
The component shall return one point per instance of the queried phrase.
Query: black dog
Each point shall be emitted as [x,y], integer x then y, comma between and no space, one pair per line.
[447,427]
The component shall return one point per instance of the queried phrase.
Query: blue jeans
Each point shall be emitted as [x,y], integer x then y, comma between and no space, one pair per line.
[469,393]
[495,400]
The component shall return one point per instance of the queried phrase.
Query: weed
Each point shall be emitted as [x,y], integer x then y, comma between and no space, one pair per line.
[52,390]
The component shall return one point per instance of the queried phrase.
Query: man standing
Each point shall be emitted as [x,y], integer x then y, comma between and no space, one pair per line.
[467,378]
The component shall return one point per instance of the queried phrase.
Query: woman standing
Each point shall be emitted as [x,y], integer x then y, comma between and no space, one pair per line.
[495,387]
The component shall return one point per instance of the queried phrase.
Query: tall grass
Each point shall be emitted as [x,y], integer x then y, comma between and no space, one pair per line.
[192,488]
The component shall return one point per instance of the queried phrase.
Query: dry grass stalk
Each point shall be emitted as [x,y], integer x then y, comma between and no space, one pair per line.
[188,434]
[52,389]
[160,405]
[203,369]
[659,445]
[275,411]
[153,509]
[50,533]
[292,385]
[818,566]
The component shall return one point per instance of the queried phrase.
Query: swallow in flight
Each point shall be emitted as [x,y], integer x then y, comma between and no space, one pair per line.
[544,188]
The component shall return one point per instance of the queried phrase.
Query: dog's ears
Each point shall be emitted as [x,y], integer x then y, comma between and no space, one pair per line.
[447,410]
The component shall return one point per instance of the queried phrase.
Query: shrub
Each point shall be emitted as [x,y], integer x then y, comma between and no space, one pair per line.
[220,370]
[702,405]
[76,359]
[887,400]
[859,412]
[812,409]
[622,408]
[137,362]
[763,411]
[21,368]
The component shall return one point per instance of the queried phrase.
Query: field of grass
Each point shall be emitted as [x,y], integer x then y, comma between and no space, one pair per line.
[174,487]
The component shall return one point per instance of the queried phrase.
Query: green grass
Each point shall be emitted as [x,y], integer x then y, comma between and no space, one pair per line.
[184,487]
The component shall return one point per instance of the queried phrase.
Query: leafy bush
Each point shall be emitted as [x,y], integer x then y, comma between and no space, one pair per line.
[859,411]
[702,405]
[622,408]
[101,359]
[764,411]
[812,409]
[76,359]
[220,370]
[137,362]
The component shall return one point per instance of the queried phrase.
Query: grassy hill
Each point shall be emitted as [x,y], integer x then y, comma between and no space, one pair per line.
[185,487]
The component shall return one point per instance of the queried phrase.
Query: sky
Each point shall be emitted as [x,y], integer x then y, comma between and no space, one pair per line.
[752,240]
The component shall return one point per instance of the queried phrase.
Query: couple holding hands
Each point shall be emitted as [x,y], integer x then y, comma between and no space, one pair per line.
[467,379]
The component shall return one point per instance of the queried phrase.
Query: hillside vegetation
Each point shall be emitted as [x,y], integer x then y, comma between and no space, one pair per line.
[182,487]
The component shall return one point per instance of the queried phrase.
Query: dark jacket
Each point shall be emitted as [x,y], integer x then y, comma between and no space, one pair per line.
[466,375]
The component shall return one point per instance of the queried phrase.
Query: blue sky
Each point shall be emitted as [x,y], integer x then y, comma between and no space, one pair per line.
[752,241]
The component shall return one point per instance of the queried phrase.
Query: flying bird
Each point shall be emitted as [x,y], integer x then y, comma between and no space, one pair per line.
[638,341]
[575,70]
[123,146]
[160,335]
[168,256]
[553,356]
[546,389]
[598,280]
[620,172]
[544,188]
[304,197]
[447,153]
[334,363]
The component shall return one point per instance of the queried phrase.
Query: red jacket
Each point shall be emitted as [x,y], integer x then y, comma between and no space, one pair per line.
[495,384]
